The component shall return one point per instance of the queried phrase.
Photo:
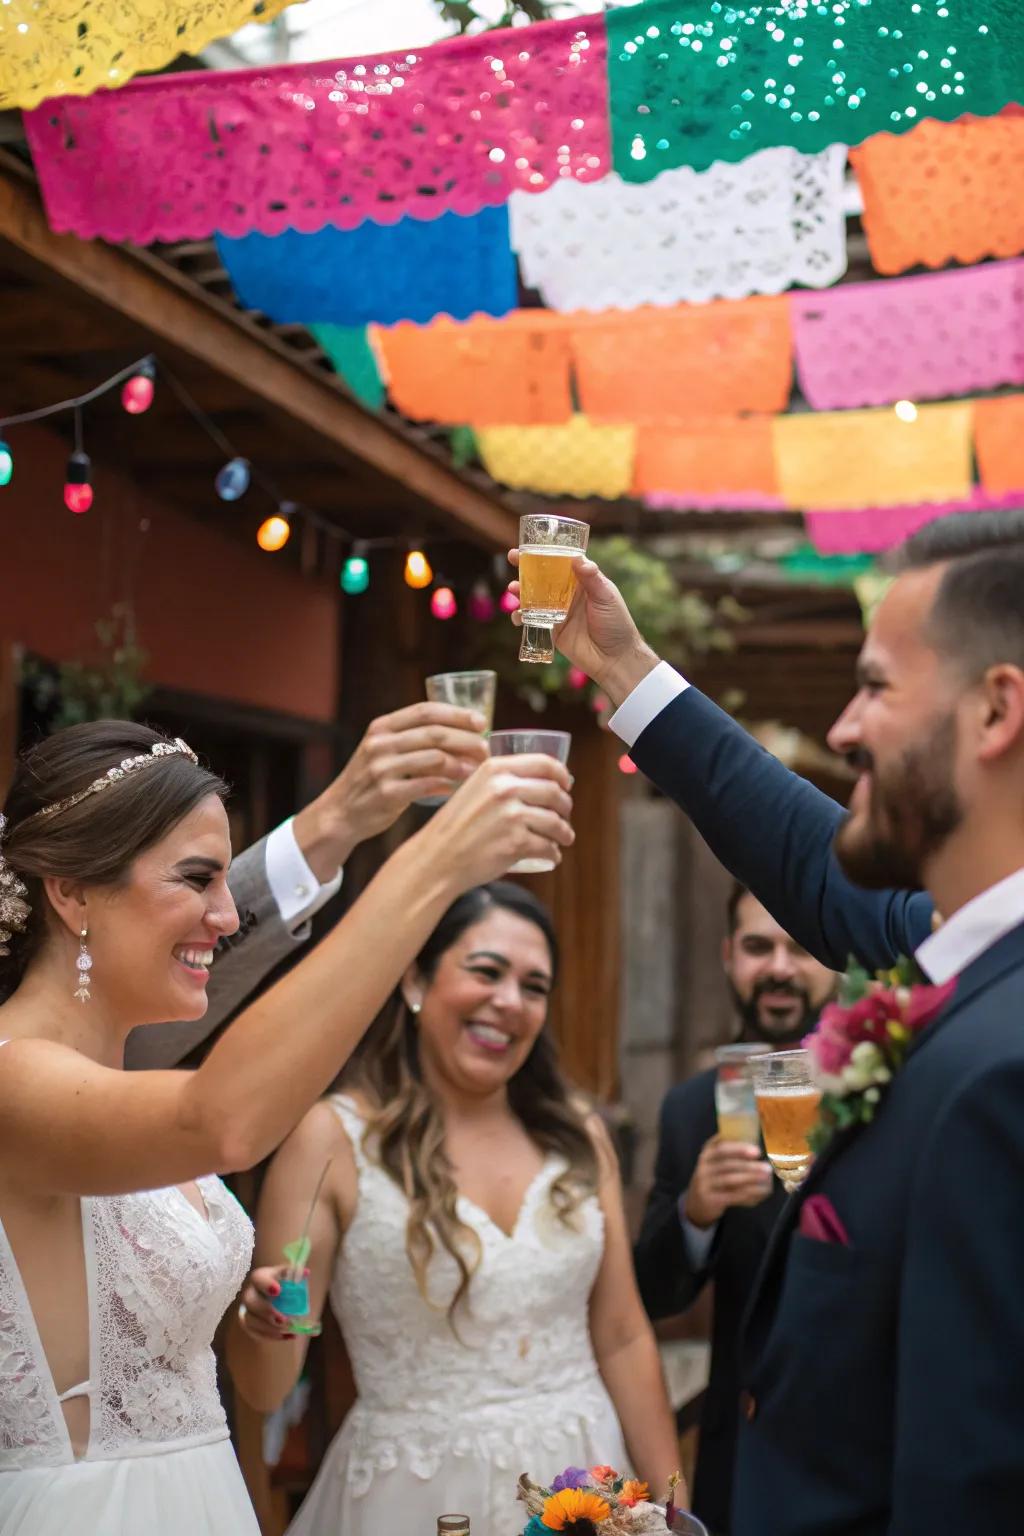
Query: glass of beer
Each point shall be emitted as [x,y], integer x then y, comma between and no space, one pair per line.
[734,1093]
[466,690]
[787,1103]
[555,744]
[547,579]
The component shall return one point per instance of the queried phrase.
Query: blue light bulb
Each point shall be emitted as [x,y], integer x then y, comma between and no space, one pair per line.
[6,464]
[355,575]
[233,480]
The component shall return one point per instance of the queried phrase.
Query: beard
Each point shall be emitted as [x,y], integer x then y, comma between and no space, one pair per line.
[755,1019]
[913,808]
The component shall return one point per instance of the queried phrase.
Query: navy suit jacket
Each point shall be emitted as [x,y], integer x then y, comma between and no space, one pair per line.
[670,1282]
[882,1377]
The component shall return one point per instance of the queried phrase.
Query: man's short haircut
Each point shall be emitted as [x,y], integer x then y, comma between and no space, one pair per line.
[732,906]
[978,616]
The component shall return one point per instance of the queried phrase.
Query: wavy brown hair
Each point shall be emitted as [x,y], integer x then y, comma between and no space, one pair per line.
[406,1129]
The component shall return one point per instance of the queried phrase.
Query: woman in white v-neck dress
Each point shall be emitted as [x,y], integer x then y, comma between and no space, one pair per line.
[119,1251]
[470,1237]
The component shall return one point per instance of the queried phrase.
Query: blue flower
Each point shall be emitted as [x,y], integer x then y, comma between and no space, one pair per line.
[536,1527]
[572,1477]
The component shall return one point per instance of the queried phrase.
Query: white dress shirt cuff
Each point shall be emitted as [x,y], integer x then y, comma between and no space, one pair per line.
[698,1240]
[293,885]
[646,702]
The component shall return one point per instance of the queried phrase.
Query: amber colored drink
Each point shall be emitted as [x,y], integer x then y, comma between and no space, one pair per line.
[739,1125]
[787,1117]
[547,580]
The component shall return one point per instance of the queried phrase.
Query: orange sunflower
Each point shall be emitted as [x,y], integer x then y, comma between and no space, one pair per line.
[575,1510]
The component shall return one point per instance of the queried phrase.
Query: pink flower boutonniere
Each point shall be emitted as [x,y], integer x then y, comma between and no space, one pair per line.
[863,1040]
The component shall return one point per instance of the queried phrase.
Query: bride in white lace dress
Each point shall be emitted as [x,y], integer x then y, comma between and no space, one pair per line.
[471,1238]
[119,1251]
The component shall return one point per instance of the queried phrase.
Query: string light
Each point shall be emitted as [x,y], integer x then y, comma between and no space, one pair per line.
[626,764]
[6,463]
[418,573]
[77,486]
[137,394]
[577,678]
[481,603]
[274,533]
[232,480]
[443,604]
[906,410]
[509,602]
[355,573]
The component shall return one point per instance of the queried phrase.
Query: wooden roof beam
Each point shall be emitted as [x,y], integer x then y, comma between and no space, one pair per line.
[175,312]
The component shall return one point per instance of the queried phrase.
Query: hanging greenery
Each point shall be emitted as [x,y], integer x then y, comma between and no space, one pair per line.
[679,625]
[469,17]
[110,688]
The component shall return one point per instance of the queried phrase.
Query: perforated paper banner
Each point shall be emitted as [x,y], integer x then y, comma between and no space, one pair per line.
[692,82]
[912,338]
[709,459]
[578,459]
[480,373]
[77,46]
[296,146]
[668,365]
[999,443]
[871,458]
[946,192]
[412,270]
[869,530]
[352,356]
[758,226]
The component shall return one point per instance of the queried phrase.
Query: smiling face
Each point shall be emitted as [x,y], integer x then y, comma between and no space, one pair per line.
[152,937]
[485,1005]
[901,733]
[779,989]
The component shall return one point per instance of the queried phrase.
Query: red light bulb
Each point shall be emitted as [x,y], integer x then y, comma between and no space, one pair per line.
[137,394]
[443,604]
[509,602]
[77,489]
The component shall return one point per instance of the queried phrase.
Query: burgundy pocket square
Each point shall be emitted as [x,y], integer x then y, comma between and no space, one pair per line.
[818,1219]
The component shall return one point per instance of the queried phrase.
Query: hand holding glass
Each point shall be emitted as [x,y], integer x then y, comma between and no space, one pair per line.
[465,690]
[554,744]
[787,1103]
[548,547]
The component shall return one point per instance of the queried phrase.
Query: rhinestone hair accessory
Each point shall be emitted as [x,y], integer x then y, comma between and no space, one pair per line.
[124,770]
[14,909]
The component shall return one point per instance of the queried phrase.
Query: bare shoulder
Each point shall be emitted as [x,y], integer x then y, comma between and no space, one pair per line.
[607,1158]
[35,1065]
[318,1136]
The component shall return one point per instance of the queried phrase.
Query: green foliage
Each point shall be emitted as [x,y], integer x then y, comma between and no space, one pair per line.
[467,17]
[110,688]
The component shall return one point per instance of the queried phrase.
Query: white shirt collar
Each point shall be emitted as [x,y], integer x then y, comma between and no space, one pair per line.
[972,930]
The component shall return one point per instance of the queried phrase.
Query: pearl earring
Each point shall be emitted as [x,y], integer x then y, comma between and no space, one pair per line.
[83,966]
[414,1008]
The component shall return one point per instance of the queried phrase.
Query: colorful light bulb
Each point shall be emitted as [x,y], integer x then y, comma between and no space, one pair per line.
[6,463]
[137,394]
[233,480]
[626,764]
[509,602]
[481,603]
[355,575]
[273,534]
[443,604]
[77,486]
[417,570]
[577,678]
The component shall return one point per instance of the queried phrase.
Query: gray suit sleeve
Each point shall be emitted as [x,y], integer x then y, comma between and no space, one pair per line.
[240,965]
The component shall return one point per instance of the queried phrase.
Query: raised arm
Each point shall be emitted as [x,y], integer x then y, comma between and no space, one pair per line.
[282,881]
[71,1126]
[770,828]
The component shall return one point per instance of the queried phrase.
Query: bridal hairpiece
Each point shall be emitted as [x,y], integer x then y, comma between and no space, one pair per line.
[124,770]
[14,909]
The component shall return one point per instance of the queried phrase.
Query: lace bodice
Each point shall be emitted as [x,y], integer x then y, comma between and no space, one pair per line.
[523,1360]
[160,1277]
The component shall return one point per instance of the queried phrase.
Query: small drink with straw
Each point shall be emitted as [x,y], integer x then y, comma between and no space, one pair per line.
[293,1300]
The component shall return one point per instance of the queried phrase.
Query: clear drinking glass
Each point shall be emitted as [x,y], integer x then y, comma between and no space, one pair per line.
[555,744]
[734,1092]
[466,690]
[685,1524]
[787,1103]
[547,579]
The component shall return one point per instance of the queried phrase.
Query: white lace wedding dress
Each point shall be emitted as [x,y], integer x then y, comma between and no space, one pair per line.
[158,1461]
[442,1425]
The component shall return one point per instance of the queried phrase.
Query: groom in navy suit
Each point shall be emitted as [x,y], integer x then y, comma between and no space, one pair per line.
[883,1356]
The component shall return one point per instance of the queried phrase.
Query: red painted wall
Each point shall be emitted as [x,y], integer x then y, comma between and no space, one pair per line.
[218,617]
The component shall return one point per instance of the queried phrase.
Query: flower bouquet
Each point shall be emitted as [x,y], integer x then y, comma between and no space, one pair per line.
[594,1502]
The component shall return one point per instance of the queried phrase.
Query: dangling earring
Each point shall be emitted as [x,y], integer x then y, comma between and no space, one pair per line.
[83,965]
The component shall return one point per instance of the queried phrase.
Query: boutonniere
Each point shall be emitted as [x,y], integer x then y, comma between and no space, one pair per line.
[862,1040]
